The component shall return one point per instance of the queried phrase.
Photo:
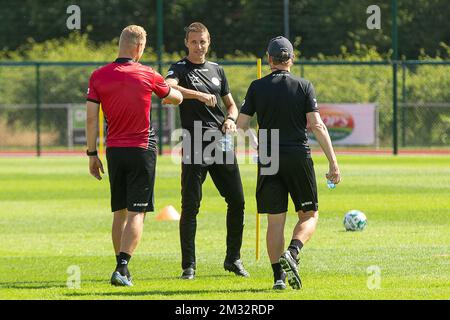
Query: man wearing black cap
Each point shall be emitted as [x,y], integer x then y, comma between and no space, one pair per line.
[284,105]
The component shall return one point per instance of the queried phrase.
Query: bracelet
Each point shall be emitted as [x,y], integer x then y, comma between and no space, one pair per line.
[91,153]
[231,118]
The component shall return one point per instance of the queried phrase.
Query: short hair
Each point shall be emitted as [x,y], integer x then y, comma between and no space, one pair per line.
[196,27]
[282,59]
[133,35]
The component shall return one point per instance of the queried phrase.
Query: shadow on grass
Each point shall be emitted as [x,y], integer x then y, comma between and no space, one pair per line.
[164,293]
[213,276]
[38,284]
[26,285]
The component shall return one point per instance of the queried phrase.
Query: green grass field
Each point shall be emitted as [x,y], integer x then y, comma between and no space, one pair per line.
[53,215]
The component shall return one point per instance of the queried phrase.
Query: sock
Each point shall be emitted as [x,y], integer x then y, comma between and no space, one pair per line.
[127,272]
[122,263]
[294,247]
[277,271]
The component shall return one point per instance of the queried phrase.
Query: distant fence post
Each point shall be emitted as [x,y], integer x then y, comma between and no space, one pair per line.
[394,70]
[403,103]
[159,44]
[69,109]
[286,18]
[38,109]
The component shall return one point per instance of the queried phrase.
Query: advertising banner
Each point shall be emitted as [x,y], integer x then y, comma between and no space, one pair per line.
[348,124]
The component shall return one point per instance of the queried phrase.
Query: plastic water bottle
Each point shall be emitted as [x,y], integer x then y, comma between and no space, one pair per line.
[330,185]
[226,142]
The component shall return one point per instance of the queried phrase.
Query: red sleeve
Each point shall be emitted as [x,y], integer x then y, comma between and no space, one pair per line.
[92,94]
[160,87]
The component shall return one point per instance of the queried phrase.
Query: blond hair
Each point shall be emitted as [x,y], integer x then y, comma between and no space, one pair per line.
[132,35]
[196,27]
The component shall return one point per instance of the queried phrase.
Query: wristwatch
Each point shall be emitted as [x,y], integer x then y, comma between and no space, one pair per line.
[91,153]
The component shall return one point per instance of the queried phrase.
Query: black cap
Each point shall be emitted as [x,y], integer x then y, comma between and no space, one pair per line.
[279,45]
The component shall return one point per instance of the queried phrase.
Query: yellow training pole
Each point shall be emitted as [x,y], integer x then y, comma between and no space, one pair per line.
[258,75]
[100,133]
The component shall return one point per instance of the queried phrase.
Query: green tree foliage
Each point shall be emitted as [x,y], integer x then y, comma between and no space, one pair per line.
[316,26]
[323,30]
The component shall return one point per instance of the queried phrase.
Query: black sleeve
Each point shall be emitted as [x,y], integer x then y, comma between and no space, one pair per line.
[311,101]
[225,89]
[248,106]
[175,72]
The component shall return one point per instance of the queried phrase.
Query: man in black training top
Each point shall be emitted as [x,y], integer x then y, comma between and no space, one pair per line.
[286,104]
[203,84]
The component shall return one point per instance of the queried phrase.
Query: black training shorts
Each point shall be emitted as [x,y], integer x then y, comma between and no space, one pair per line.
[132,178]
[296,178]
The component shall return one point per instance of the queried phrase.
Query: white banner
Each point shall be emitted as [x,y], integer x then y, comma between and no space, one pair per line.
[348,124]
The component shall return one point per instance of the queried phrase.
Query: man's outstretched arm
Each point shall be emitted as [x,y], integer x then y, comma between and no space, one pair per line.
[209,99]
[174,97]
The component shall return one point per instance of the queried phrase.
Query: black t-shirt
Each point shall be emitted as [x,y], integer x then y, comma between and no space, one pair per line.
[281,101]
[208,77]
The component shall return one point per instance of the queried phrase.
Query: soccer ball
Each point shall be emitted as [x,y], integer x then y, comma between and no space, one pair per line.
[355,220]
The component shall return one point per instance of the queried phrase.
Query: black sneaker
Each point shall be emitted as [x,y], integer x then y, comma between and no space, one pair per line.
[119,280]
[280,284]
[237,267]
[188,274]
[290,266]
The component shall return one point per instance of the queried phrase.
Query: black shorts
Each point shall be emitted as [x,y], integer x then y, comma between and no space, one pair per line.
[132,178]
[296,178]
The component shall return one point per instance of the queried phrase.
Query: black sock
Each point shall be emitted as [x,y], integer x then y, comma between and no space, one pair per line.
[277,271]
[117,263]
[294,247]
[122,263]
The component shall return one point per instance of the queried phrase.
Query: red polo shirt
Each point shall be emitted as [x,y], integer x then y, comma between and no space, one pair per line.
[124,88]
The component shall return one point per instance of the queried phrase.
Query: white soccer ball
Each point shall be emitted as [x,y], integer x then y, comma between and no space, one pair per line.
[355,220]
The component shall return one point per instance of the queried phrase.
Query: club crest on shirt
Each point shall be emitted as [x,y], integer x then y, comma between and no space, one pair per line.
[215,81]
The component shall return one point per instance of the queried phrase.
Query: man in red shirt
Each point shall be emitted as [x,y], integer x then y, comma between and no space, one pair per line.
[124,89]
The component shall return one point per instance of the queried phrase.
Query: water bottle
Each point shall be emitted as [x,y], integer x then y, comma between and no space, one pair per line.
[330,185]
[226,142]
